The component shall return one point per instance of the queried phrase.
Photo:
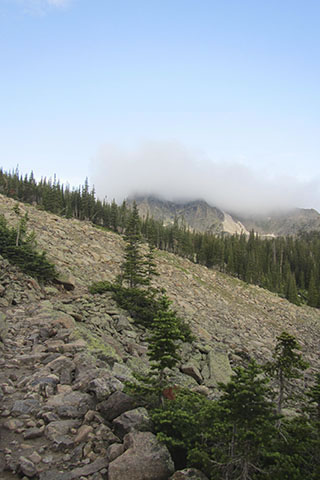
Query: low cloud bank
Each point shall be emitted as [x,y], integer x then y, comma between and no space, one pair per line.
[171,172]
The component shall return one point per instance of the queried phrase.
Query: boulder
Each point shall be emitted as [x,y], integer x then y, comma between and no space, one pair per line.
[71,405]
[21,407]
[219,368]
[145,458]
[66,279]
[188,474]
[137,419]
[117,403]
[104,387]
[192,371]
[27,467]
[3,327]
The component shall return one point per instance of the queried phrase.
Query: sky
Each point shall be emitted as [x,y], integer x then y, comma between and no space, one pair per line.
[185,99]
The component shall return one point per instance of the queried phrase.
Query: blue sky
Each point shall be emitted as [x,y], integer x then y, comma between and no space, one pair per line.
[87,86]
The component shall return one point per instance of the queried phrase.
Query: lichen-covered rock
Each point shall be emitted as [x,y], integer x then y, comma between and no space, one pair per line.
[219,368]
[3,327]
[145,458]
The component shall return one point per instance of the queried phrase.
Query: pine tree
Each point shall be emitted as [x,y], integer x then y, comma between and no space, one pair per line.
[245,407]
[163,347]
[287,364]
[133,267]
[313,293]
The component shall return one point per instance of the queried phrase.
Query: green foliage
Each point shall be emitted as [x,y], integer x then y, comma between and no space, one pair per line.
[24,255]
[287,364]
[134,271]
[295,452]
[184,424]
[101,287]
[165,333]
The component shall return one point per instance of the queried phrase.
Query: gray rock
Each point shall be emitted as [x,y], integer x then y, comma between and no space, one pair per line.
[117,403]
[63,442]
[137,419]
[104,387]
[144,459]
[32,433]
[3,327]
[20,407]
[66,279]
[106,435]
[219,368]
[75,474]
[188,474]
[192,371]
[27,467]
[71,405]
[114,451]
[60,427]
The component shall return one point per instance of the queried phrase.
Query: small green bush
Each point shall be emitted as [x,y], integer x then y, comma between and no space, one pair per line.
[24,255]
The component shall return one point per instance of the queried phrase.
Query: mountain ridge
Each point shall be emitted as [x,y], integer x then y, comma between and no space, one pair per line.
[198,215]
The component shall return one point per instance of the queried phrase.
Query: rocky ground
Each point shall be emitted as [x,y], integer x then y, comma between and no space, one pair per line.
[65,354]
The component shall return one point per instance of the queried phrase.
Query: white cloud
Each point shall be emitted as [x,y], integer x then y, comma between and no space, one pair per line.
[171,171]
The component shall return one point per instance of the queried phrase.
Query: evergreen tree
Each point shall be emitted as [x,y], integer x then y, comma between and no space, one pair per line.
[246,408]
[287,364]
[163,349]
[133,267]
[313,293]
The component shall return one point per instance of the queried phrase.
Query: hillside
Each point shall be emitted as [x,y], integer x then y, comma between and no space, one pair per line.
[67,353]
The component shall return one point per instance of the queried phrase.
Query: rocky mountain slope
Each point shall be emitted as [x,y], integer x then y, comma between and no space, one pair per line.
[65,354]
[197,215]
[200,216]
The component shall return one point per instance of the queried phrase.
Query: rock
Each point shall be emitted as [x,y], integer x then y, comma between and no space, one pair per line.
[188,474]
[64,367]
[32,433]
[77,473]
[63,442]
[117,403]
[71,405]
[219,368]
[66,279]
[3,327]
[144,459]
[35,457]
[104,387]
[106,435]
[137,419]
[27,467]
[83,433]
[114,451]
[73,347]
[60,427]
[192,371]
[27,406]
[13,424]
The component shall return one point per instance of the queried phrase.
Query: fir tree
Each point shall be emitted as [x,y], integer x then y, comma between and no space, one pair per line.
[133,267]
[287,364]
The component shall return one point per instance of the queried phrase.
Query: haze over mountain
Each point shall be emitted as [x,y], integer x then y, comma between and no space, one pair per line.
[169,171]
[200,216]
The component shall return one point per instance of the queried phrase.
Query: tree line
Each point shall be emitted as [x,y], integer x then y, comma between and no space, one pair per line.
[289,266]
